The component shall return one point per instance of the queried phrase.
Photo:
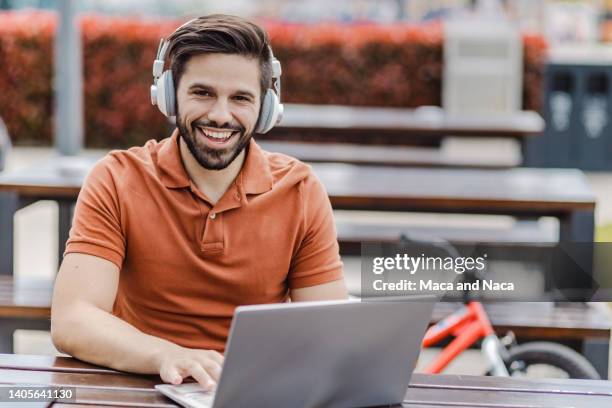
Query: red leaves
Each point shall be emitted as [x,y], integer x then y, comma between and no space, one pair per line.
[534,58]
[25,77]
[357,64]
[118,54]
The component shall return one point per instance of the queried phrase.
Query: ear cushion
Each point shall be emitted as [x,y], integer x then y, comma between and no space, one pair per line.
[165,94]
[161,94]
[268,113]
[170,94]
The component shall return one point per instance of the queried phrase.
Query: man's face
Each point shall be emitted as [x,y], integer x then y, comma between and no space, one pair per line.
[218,104]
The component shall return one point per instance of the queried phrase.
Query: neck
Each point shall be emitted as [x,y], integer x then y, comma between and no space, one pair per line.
[213,183]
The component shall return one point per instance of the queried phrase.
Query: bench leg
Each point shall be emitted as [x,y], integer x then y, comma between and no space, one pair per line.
[9,204]
[64,224]
[9,325]
[597,351]
[6,341]
[578,227]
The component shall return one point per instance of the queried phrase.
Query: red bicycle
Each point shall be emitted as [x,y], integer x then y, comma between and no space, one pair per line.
[503,356]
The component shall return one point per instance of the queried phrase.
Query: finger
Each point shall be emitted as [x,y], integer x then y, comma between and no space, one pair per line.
[212,368]
[170,374]
[201,376]
[216,356]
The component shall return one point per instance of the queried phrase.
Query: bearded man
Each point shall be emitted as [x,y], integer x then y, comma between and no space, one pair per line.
[169,238]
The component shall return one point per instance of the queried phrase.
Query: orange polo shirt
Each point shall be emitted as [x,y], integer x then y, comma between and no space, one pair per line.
[186,264]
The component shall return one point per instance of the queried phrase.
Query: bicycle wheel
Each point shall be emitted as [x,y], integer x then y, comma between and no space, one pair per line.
[547,359]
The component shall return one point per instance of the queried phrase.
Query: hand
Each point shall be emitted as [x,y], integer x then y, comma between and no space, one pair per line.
[203,365]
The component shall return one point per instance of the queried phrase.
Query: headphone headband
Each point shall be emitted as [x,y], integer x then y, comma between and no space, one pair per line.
[163,94]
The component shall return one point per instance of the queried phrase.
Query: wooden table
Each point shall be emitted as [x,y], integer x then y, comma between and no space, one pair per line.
[97,387]
[398,126]
[561,193]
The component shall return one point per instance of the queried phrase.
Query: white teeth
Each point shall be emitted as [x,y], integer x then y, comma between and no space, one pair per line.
[217,134]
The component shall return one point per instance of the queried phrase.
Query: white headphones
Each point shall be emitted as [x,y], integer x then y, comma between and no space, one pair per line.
[163,94]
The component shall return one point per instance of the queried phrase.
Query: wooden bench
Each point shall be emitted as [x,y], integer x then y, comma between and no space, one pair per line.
[382,155]
[381,136]
[351,234]
[23,305]
[424,126]
[543,321]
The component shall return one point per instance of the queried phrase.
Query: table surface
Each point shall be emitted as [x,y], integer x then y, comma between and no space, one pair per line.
[97,386]
[423,121]
[534,191]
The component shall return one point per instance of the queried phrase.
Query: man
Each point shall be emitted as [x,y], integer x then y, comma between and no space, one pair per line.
[169,238]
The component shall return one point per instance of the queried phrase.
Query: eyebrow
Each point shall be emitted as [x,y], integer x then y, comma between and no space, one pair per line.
[199,85]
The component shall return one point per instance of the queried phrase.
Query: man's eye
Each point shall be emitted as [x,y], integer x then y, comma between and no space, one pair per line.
[241,98]
[202,93]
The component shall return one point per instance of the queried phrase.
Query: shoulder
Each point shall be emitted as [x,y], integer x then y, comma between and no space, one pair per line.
[135,158]
[120,166]
[287,170]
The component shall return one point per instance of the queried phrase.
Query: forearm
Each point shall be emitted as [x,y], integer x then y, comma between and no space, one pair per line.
[94,335]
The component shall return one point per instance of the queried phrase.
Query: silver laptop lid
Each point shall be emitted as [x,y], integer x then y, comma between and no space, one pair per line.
[313,354]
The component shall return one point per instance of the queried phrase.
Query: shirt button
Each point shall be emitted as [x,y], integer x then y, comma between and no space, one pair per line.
[213,216]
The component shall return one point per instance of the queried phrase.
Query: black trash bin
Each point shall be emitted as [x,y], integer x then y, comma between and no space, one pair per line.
[577,111]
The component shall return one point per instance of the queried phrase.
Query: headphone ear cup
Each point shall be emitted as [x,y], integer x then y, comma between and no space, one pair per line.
[165,94]
[268,113]
[264,113]
[170,94]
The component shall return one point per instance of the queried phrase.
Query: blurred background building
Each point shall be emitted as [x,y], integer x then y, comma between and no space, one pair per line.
[560,20]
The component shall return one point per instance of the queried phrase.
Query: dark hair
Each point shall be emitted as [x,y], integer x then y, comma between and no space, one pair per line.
[222,34]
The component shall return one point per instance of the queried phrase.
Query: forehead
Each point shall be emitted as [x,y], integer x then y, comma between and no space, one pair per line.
[226,72]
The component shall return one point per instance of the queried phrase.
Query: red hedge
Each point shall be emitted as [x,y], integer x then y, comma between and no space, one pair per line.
[367,65]
[26,74]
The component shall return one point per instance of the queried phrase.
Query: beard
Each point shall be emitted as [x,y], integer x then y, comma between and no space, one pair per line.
[207,157]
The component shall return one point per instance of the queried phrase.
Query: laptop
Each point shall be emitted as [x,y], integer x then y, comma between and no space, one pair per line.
[346,353]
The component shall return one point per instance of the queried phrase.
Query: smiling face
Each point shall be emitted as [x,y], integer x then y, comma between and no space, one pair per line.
[218,100]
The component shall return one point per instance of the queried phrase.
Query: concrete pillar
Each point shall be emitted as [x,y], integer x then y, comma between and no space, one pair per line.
[68,81]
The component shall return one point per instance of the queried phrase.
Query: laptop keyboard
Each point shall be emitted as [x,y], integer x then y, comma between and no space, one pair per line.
[189,395]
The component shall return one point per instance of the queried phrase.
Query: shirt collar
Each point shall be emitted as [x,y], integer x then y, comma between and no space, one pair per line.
[255,175]
[173,173]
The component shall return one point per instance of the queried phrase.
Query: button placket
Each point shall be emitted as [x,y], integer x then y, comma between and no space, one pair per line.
[212,241]
[238,193]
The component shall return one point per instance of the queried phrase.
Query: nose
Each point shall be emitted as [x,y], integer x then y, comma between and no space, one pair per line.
[219,113]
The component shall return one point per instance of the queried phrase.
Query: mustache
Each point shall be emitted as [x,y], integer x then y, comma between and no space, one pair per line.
[213,124]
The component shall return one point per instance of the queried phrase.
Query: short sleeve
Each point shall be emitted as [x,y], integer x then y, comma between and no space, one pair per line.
[96,226]
[317,260]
